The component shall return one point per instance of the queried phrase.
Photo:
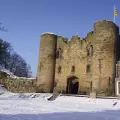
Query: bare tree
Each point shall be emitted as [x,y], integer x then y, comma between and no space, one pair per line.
[19,67]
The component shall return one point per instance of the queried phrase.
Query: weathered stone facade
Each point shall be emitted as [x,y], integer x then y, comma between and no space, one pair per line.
[19,84]
[91,60]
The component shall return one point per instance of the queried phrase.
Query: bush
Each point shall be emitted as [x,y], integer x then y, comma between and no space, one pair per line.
[3,75]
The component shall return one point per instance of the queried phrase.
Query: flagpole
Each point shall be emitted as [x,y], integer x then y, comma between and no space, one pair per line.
[114,13]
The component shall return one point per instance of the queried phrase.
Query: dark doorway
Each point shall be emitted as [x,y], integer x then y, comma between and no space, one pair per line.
[72,85]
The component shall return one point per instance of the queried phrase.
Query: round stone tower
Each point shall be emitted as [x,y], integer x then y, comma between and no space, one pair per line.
[104,59]
[46,63]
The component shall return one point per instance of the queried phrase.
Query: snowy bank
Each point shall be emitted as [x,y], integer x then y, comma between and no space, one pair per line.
[63,108]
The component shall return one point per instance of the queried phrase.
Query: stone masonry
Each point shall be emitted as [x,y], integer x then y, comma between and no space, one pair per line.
[91,60]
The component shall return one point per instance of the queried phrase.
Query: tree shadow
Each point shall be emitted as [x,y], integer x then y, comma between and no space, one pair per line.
[101,115]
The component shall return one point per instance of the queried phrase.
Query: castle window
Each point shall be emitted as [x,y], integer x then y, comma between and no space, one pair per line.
[59,53]
[91,84]
[88,68]
[99,65]
[59,69]
[109,81]
[90,51]
[73,69]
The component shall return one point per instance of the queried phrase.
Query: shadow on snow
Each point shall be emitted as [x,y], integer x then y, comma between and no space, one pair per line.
[102,115]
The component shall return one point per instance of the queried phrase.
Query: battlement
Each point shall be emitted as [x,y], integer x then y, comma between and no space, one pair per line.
[98,26]
[105,25]
[107,22]
[75,37]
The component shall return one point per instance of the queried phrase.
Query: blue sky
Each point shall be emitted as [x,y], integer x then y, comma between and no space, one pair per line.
[26,20]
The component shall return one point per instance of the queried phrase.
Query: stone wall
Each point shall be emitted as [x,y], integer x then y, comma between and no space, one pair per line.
[74,52]
[18,85]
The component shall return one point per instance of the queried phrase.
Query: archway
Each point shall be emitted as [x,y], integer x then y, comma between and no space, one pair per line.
[72,85]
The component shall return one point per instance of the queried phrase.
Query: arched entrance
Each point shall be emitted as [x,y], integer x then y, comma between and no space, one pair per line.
[72,85]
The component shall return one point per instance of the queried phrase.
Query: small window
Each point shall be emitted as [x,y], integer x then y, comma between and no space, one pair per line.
[109,81]
[59,69]
[99,65]
[59,53]
[90,51]
[88,68]
[73,69]
[91,84]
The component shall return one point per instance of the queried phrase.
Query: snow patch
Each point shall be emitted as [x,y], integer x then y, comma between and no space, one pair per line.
[2,89]
[23,96]
[48,33]
[13,76]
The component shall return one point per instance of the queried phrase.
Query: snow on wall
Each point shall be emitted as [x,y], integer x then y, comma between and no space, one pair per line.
[48,33]
[2,89]
[17,84]
[12,75]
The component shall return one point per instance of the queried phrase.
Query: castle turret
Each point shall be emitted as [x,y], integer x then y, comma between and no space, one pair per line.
[104,58]
[46,64]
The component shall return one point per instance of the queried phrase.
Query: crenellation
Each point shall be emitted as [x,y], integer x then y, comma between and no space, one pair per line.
[75,38]
[62,39]
[90,34]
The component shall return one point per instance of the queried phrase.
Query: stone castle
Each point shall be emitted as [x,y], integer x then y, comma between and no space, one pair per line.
[80,65]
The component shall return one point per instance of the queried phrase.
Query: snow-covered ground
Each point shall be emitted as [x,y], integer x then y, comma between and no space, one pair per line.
[2,89]
[36,107]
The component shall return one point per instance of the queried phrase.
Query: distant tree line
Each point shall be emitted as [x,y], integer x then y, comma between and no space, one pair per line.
[12,61]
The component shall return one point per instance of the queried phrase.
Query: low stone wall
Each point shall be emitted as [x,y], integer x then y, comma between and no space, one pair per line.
[18,84]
